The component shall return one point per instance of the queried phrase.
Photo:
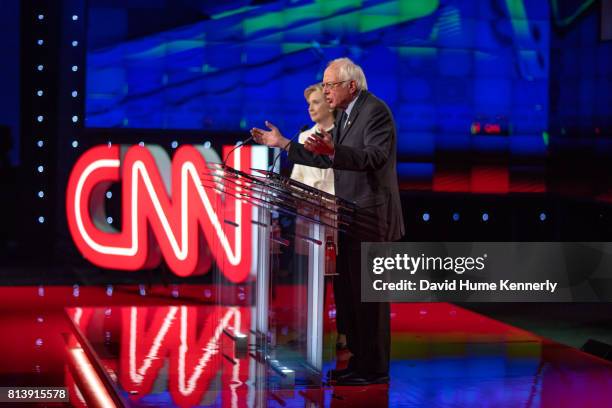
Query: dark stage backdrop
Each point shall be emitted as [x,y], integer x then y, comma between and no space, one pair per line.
[9,84]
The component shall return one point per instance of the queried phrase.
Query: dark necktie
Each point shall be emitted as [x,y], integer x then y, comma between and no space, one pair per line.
[344,120]
[342,124]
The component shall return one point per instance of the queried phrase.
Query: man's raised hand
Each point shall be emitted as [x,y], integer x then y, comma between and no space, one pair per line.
[270,138]
[320,145]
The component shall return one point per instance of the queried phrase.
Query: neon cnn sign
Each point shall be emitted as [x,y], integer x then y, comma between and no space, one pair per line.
[166,211]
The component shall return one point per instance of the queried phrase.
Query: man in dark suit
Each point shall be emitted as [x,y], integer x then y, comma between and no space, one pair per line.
[362,151]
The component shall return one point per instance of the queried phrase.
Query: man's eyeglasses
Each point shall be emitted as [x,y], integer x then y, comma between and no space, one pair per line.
[332,85]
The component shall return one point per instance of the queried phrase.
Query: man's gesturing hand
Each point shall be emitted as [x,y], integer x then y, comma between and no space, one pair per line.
[270,138]
[320,145]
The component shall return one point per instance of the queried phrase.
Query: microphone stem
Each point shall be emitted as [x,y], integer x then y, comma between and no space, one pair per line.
[304,128]
[240,144]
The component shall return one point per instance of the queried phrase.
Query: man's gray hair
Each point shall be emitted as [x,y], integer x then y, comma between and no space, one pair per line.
[349,71]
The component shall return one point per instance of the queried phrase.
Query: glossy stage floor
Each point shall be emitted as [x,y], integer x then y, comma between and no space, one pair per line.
[166,346]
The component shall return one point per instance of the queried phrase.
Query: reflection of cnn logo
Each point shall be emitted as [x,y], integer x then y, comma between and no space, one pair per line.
[166,211]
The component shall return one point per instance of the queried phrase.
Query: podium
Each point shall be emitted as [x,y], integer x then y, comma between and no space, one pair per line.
[294,227]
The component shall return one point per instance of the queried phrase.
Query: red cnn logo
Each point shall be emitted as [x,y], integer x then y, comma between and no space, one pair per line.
[166,211]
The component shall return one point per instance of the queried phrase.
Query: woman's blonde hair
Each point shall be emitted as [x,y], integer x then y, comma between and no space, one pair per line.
[312,88]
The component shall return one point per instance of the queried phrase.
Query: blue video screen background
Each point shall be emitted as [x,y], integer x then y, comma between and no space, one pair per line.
[440,65]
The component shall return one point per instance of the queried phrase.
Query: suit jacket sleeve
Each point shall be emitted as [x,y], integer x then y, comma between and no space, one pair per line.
[298,154]
[378,139]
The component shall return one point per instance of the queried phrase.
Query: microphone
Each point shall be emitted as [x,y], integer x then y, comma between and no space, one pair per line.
[240,144]
[302,129]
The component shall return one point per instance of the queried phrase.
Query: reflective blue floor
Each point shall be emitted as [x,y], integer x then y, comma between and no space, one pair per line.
[164,351]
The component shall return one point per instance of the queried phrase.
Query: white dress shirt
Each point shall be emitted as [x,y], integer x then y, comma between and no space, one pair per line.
[322,179]
[349,109]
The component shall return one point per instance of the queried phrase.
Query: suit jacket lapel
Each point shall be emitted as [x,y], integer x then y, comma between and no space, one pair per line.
[354,113]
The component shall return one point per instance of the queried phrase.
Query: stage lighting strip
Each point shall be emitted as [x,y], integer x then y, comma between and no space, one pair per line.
[75,92]
[85,370]
[40,117]
[95,379]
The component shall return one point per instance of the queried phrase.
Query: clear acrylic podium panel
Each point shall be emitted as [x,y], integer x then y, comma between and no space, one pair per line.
[296,295]
[286,294]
